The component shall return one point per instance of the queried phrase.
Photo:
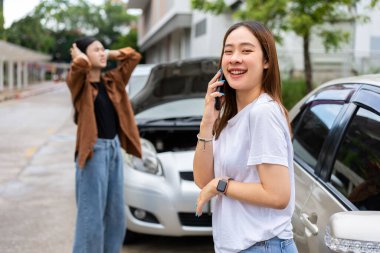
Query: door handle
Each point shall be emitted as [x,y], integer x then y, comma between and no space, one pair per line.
[313,228]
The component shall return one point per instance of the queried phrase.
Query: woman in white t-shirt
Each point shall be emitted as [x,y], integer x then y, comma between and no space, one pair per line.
[244,154]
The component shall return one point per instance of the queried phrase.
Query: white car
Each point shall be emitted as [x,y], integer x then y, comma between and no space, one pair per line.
[160,193]
[336,139]
[138,79]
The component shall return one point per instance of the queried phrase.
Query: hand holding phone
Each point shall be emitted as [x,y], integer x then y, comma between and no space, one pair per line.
[218,104]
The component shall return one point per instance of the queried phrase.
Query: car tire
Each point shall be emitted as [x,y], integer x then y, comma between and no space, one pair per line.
[130,237]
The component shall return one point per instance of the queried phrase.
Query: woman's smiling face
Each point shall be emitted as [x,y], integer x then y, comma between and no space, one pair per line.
[243,62]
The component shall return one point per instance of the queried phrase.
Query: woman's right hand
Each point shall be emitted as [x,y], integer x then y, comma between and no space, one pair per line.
[75,52]
[210,114]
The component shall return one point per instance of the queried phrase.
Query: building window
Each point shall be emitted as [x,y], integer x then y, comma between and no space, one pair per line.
[200,28]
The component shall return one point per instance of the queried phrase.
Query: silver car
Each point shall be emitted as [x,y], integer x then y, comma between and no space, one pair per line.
[336,139]
[160,193]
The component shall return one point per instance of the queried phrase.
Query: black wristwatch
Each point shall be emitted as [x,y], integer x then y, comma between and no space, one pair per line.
[222,185]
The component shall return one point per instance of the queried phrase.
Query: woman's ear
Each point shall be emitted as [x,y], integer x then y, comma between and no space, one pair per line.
[266,64]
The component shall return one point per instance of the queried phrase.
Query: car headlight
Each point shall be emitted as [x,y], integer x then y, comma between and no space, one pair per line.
[149,162]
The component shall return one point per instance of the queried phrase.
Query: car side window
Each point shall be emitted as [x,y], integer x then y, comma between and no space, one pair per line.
[356,172]
[312,128]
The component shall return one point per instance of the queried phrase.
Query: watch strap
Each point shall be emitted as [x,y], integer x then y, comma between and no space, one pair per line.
[228,183]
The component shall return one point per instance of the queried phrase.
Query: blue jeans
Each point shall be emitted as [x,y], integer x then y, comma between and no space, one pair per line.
[274,245]
[100,225]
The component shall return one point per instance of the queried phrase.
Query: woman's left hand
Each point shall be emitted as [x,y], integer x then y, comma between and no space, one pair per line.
[206,194]
[113,54]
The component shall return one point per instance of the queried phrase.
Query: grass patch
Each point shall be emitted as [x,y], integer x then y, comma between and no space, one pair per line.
[292,91]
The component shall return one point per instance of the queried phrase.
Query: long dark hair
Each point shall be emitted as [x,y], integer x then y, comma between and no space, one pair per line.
[271,83]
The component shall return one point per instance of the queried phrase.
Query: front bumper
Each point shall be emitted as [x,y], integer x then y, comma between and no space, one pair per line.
[169,202]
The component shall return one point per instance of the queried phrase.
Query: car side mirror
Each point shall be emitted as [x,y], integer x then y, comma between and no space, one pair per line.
[356,231]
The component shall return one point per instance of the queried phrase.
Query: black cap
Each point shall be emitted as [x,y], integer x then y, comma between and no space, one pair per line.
[84,42]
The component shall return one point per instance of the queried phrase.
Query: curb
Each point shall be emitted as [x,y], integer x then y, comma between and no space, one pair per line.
[19,94]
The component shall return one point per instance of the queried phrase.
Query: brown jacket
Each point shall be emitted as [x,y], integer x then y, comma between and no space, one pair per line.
[83,94]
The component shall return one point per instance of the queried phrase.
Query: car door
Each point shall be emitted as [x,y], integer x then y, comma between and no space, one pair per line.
[347,175]
[311,129]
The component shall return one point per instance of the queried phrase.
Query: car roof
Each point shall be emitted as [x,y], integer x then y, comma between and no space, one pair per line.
[373,79]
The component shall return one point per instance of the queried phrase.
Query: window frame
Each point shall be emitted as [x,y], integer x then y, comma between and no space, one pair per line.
[305,109]
[366,97]
[316,172]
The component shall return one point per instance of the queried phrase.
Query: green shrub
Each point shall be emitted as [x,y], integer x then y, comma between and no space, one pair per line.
[292,91]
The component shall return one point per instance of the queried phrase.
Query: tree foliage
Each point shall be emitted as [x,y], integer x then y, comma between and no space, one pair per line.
[54,25]
[63,41]
[28,32]
[130,39]
[303,17]
[2,31]
[112,21]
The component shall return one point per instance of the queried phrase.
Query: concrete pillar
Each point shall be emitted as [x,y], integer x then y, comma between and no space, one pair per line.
[1,75]
[10,75]
[42,74]
[25,73]
[19,77]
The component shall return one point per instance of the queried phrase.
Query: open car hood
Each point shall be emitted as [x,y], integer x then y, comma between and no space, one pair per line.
[176,80]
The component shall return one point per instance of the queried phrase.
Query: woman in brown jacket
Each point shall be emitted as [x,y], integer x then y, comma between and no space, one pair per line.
[105,122]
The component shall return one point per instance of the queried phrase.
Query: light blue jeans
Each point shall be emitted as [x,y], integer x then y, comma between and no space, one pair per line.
[100,225]
[274,245]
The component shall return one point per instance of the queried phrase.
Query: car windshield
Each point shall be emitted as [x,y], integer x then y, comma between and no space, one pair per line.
[174,109]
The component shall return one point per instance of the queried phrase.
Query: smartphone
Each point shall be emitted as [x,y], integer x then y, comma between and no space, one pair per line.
[218,104]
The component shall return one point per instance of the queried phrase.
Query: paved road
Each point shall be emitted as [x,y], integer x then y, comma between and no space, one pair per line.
[157,244]
[37,204]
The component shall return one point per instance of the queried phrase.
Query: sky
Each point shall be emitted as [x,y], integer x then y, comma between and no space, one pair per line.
[17,9]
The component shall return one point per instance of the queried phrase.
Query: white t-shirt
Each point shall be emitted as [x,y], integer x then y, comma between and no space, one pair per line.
[258,134]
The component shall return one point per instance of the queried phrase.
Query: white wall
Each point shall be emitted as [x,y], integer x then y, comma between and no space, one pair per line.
[364,31]
[210,43]
[181,6]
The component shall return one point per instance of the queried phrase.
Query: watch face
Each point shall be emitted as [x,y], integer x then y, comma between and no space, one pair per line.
[221,186]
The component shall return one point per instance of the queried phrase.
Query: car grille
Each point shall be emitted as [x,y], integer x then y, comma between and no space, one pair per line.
[187,175]
[189,219]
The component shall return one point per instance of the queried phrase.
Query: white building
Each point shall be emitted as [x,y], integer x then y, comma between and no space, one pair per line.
[366,47]
[14,61]
[170,30]
[164,29]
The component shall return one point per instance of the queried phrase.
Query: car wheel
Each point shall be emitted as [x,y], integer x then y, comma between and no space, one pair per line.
[130,237]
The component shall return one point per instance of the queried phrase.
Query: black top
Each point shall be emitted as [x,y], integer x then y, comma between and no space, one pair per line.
[106,116]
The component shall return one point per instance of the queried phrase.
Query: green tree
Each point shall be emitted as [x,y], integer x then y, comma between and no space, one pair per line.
[303,17]
[63,42]
[28,32]
[62,21]
[2,30]
[59,15]
[113,21]
[129,40]
[106,21]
